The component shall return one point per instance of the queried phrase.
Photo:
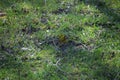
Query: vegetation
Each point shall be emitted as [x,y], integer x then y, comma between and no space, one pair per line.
[59,40]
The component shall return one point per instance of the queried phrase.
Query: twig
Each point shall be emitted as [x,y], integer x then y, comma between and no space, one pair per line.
[56,64]
[55,46]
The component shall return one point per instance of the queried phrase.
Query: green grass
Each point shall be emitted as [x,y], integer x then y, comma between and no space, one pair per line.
[60,40]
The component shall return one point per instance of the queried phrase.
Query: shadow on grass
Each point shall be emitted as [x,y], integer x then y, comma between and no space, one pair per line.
[79,64]
[5,4]
[112,25]
[112,13]
[82,64]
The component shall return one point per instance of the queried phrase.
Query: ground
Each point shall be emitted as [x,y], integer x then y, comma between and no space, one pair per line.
[59,40]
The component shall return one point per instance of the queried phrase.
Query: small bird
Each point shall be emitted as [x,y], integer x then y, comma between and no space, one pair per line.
[62,38]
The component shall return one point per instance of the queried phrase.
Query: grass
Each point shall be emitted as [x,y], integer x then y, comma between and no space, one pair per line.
[59,40]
